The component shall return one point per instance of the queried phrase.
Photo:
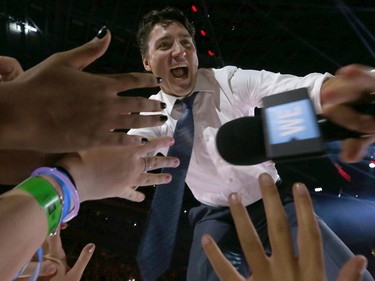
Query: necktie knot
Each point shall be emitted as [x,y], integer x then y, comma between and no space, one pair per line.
[189,101]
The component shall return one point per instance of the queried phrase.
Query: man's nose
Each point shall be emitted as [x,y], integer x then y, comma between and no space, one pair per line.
[178,50]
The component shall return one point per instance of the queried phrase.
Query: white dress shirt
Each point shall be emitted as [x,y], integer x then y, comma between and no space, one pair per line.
[226,94]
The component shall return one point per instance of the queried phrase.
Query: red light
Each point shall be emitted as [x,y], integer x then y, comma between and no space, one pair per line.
[210,53]
[203,33]
[194,8]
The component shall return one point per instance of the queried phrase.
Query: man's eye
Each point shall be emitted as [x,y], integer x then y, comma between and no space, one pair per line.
[163,45]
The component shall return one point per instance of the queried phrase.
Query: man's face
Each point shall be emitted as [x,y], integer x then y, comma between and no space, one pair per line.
[173,57]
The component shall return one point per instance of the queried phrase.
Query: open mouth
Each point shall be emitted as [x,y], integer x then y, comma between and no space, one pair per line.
[180,72]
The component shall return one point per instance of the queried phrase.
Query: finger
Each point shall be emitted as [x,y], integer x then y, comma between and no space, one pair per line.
[10,68]
[353,270]
[46,269]
[354,150]
[149,179]
[309,238]
[133,80]
[132,195]
[249,239]
[158,162]
[79,267]
[137,104]
[114,139]
[129,121]
[84,55]
[345,116]
[223,268]
[278,226]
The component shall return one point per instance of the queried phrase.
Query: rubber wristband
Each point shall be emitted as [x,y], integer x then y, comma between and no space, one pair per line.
[66,195]
[64,182]
[48,199]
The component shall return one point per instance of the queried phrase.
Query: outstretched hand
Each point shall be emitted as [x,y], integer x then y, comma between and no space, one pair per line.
[57,107]
[354,84]
[118,171]
[282,265]
[54,266]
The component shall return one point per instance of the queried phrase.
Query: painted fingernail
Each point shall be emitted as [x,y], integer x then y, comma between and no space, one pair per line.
[176,162]
[144,140]
[102,32]
[159,80]
[163,105]
[163,118]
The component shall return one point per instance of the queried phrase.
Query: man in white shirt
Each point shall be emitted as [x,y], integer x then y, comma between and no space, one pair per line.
[168,51]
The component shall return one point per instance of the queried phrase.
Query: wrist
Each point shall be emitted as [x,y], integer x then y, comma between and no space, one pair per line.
[72,163]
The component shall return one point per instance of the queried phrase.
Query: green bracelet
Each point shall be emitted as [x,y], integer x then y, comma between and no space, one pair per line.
[48,199]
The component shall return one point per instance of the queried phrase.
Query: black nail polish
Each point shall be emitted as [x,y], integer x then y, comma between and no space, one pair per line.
[159,80]
[102,32]
[163,118]
[144,140]
[163,105]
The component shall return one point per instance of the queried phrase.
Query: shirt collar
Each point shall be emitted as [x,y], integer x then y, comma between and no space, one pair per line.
[203,84]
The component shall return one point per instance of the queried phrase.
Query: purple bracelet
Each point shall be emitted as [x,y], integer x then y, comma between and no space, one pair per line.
[68,184]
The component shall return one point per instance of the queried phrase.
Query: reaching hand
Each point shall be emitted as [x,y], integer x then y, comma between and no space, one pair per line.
[56,107]
[54,266]
[118,171]
[355,84]
[282,265]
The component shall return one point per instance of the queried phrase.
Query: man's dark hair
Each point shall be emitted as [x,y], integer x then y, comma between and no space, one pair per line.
[163,17]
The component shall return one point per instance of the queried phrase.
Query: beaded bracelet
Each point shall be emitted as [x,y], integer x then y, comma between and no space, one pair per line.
[47,197]
[66,185]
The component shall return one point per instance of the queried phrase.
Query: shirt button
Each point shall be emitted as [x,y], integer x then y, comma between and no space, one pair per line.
[230,180]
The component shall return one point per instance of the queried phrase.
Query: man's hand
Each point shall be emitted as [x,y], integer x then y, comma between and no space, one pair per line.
[353,84]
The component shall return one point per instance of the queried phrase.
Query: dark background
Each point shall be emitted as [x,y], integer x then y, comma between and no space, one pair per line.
[296,37]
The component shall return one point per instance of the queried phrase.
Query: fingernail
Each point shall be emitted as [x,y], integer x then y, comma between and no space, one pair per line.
[300,188]
[176,162]
[102,32]
[234,198]
[163,105]
[144,140]
[163,118]
[361,264]
[50,269]
[159,80]
[266,179]
[168,178]
[205,240]
[91,247]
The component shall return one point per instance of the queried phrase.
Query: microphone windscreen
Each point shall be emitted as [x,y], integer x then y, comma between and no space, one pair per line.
[241,141]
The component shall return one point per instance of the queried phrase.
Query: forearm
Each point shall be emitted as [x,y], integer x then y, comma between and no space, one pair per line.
[23,228]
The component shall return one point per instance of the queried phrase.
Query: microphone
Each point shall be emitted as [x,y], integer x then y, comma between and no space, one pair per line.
[248,140]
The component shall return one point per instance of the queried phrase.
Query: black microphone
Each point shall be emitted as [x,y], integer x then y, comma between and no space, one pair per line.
[242,141]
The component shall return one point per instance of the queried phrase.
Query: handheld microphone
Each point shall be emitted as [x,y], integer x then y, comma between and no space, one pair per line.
[250,140]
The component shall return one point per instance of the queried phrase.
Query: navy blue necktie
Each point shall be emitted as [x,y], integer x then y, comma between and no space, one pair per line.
[156,248]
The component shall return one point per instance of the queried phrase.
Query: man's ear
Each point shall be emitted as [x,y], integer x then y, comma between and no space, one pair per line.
[146,64]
